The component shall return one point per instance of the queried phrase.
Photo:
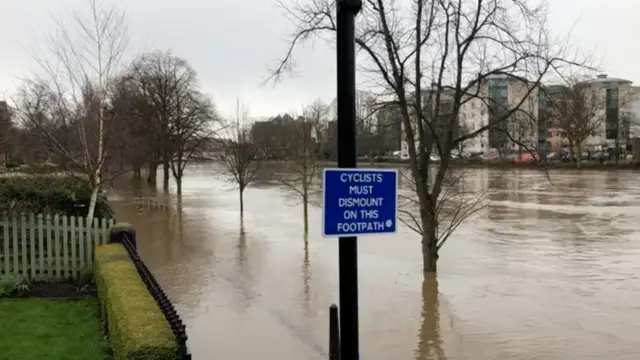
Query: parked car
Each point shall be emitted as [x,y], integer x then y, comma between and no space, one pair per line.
[600,156]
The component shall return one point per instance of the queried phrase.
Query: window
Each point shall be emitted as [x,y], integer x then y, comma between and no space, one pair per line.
[612,98]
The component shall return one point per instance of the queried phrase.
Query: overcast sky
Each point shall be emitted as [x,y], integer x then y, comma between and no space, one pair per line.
[230,42]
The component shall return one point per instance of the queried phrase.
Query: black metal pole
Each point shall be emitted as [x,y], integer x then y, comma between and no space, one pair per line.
[348,246]
[334,333]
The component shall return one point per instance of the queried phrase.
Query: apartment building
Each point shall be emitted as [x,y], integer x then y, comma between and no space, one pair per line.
[492,101]
[532,127]
[617,105]
[440,119]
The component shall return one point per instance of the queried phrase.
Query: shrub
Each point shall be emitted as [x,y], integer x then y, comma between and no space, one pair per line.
[55,194]
[137,328]
[13,285]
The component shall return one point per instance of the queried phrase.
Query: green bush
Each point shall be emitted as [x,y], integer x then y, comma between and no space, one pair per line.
[137,328]
[13,285]
[50,194]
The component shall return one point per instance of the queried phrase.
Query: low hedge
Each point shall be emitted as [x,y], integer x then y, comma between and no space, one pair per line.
[137,328]
[49,194]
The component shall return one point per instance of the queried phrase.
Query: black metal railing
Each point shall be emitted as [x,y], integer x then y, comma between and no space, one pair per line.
[167,308]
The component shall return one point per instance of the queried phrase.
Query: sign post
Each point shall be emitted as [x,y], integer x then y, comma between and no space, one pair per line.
[348,247]
[355,202]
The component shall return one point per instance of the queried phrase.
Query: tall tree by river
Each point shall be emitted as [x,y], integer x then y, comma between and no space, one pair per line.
[429,51]
[239,155]
[178,119]
[70,95]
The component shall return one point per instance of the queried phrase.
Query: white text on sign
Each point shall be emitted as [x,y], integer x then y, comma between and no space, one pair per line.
[360,199]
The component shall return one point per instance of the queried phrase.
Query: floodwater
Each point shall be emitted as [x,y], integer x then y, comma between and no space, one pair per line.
[549,270]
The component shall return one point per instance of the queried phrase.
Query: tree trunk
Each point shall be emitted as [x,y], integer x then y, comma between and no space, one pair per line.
[429,243]
[165,171]
[241,201]
[92,203]
[305,211]
[579,155]
[152,178]
[178,184]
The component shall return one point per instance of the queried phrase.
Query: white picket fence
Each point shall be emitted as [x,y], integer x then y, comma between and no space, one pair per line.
[46,247]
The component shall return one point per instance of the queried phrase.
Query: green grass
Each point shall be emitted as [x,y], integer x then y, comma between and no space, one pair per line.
[35,329]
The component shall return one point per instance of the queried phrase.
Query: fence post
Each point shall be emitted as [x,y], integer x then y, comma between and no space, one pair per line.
[119,230]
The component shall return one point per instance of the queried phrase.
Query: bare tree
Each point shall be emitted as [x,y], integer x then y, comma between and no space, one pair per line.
[177,118]
[81,60]
[240,157]
[194,126]
[576,110]
[430,51]
[318,113]
[521,129]
[302,170]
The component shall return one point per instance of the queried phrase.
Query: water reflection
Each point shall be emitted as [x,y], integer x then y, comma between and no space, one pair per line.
[430,345]
[548,270]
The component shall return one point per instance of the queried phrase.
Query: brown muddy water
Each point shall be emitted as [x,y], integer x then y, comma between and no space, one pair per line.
[549,270]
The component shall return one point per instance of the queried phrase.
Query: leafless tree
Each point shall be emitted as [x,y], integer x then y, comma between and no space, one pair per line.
[318,113]
[429,51]
[239,156]
[193,127]
[79,63]
[576,110]
[521,128]
[303,168]
[177,118]
[457,202]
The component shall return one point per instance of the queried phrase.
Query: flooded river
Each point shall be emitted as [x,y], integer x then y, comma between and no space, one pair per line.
[549,270]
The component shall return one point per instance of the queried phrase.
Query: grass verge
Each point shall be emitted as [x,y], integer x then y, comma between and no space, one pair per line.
[38,329]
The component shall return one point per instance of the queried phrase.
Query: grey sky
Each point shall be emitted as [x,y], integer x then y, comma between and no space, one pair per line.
[229,43]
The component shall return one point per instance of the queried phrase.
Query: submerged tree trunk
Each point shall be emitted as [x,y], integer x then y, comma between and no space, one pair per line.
[241,191]
[579,155]
[179,184]
[165,171]
[152,177]
[305,211]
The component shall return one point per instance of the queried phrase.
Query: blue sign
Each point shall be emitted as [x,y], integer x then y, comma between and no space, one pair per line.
[359,201]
